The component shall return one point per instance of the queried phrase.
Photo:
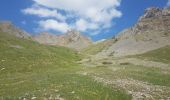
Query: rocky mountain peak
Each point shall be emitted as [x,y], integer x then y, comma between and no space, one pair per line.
[72,39]
[8,27]
[73,35]
[154,18]
[152,31]
[152,12]
[155,12]
[6,23]
[73,32]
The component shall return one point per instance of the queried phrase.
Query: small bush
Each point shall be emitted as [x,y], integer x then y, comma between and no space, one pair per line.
[125,63]
[107,63]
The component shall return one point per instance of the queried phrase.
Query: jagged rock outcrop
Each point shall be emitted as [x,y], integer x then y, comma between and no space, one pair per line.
[152,31]
[76,40]
[72,39]
[8,27]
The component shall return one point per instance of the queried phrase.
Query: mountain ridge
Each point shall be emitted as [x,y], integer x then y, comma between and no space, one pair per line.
[72,39]
[152,31]
[8,27]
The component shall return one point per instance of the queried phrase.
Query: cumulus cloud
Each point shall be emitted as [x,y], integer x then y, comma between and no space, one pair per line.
[51,24]
[87,14]
[83,25]
[43,12]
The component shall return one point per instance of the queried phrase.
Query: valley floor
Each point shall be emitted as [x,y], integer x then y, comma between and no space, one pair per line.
[141,78]
[31,71]
[56,83]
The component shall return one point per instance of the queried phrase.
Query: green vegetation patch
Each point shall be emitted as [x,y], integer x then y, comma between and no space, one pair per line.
[160,55]
[29,70]
[96,48]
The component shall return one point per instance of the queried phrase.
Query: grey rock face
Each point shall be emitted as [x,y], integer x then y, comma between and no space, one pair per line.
[152,31]
[152,12]
[8,27]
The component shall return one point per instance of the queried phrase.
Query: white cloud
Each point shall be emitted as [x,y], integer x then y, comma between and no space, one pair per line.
[94,9]
[51,24]
[95,33]
[83,25]
[85,14]
[79,5]
[43,12]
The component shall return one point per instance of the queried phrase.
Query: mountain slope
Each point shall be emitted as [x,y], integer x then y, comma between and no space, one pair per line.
[29,70]
[152,31]
[98,47]
[72,39]
[8,27]
[160,55]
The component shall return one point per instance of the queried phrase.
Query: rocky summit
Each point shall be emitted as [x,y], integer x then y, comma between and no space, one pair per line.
[8,27]
[72,39]
[152,31]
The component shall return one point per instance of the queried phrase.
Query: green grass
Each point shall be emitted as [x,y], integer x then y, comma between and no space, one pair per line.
[152,75]
[30,69]
[96,48]
[155,76]
[160,55]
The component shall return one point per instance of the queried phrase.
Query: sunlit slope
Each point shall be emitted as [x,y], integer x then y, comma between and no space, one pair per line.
[29,70]
[160,55]
[99,47]
[15,52]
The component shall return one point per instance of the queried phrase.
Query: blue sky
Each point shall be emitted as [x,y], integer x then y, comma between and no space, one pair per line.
[98,19]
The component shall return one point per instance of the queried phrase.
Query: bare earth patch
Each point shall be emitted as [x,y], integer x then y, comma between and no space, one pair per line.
[138,89]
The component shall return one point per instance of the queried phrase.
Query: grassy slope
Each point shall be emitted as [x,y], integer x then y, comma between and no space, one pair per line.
[96,48]
[153,75]
[28,69]
[160,55]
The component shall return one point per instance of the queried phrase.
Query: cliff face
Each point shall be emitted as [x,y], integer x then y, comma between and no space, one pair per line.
[8,27]
[152,31]
[72,39]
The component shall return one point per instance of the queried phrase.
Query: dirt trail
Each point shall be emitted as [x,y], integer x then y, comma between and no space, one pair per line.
[138,89]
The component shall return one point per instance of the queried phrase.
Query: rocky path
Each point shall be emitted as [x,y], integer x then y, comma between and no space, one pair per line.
[140,90]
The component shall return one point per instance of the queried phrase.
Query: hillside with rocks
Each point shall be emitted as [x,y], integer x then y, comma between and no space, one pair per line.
[8,27]
[152,31]
[137,59]
[72,39]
